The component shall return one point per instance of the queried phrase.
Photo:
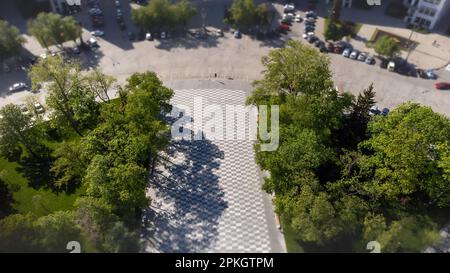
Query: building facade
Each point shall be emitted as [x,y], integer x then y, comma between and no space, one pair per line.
[427,13]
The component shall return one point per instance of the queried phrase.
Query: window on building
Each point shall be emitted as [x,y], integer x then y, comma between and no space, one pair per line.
[427,11]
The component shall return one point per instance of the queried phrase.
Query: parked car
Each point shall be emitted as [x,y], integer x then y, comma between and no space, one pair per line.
[362,57]
[18,86]
[92,42]
[385,111]
[370,60]
[338,49]
[346,52]
[163,35]
[298,18]
[237,34]
[384,63]
[354,54]
[309,29]
[289,16]
[312,39]
[422,73]
[310,14]
[219,33]
[318,43]
[323,48]
[430,74]
[117,3]
[374,111]
[76,50]
[307,35]
[24,109]
[98,33]
[391,66]
[289,8]
[330,47]
[131,36]
[310,20]
[284,27]
[308,24]
[148,36]
[39,108]
[442,85]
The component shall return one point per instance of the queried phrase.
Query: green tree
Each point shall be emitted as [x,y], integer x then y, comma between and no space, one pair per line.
[69,166]
[294,69]
[100,84]
[10,41]
[162,13]
[387,46]
[17,234]
[54,231]
[53,29]
[409,234]
[244,13]
[17,129]
[71,101]
[404,158]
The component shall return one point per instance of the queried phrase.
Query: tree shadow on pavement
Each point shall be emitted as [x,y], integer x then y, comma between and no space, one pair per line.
[188,200]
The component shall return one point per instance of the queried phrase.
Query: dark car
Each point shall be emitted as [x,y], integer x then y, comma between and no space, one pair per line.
[323,48]
[330,47]
[317,43]
[131,36]
[312,39]
[406,70]
[422,73]
[384,63]
[309,29]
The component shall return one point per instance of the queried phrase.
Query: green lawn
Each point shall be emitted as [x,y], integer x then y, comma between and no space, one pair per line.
[40,202]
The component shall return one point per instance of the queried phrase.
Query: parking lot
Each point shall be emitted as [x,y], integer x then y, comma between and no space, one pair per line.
[185,57]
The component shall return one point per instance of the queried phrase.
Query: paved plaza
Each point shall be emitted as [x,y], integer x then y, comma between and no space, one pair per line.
[207,197]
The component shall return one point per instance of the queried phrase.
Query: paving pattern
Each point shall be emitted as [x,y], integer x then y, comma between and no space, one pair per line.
[208,197]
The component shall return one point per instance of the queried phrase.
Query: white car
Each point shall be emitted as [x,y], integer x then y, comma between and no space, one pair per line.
[288,16]
[354,54]
[362,57]
[92,42]
[24,109]
[98,33]
[39,108]
[307,35]
[148,36]
[289,7]
[298,18]
[17,86]
[346,52]
[310,20]
[117,3]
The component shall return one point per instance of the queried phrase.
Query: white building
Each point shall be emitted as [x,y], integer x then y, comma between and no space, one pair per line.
[427,13]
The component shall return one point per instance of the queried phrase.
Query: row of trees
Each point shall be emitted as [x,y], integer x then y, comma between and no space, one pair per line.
[244,14]
[159,14]
[342,177]
[105,146]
